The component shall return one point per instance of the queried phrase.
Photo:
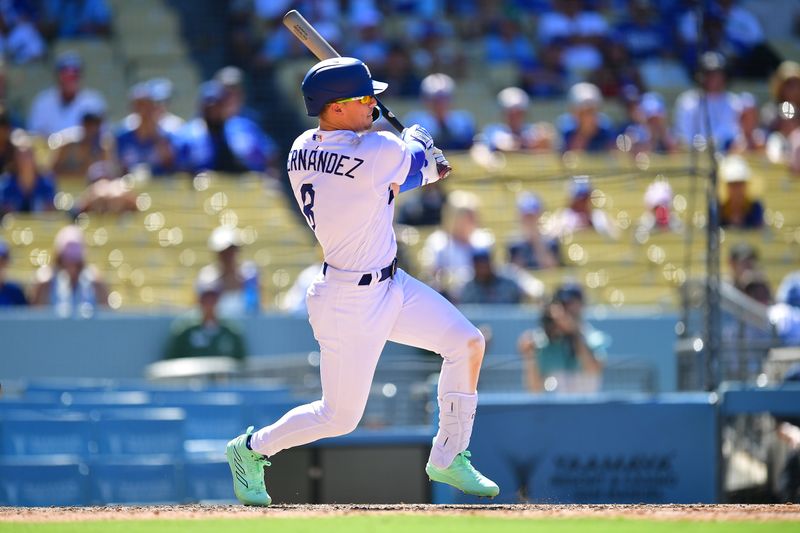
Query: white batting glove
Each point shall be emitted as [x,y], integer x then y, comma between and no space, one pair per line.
[436,166]
[419,134]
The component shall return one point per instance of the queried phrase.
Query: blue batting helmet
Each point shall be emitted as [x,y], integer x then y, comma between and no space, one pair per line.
[337,78]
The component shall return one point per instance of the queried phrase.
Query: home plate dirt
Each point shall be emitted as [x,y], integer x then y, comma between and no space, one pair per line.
[782,512]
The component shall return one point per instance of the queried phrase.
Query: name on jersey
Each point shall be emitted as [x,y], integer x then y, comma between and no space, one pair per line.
[322,161]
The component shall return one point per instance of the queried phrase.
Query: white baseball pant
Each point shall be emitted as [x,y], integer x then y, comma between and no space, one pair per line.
[352,324]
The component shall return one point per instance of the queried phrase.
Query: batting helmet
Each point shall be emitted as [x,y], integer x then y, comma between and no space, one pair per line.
[337,78]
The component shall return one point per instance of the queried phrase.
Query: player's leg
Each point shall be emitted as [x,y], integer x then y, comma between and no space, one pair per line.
[427,320]
[351,324]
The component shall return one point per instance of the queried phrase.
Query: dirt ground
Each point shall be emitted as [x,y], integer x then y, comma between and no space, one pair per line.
[787,512]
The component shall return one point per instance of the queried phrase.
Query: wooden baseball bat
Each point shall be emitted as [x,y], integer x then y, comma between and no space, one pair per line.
[316,43]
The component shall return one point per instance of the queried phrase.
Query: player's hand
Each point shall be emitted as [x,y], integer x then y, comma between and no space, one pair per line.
[419,134]
[442,165]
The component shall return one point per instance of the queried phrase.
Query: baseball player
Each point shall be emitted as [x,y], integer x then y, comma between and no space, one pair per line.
[345,179]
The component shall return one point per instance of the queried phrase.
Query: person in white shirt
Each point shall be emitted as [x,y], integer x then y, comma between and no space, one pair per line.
[63,105]
[724,109]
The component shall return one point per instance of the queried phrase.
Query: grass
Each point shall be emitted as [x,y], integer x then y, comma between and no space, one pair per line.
[401,524]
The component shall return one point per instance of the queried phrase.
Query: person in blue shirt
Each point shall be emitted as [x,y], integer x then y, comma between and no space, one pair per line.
[213,141]
[24,189]
[585,128]
[10,293]
[644,34]
[76,18]
[453,129]
[141,140]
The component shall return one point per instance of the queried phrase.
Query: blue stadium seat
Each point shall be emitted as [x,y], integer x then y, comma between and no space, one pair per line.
[144,431]
[40,432]
[209,481]
[139,480]
[43,481]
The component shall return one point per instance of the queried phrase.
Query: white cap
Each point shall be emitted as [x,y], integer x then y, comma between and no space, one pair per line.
[208,280]
[734,169]
[513,98]
[437,86]
[658,193]
[584,94]
[223,238]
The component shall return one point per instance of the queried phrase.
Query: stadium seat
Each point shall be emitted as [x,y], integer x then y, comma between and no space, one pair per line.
[145,431]
[137,480]
[43,481]
[25,431]
[210,481]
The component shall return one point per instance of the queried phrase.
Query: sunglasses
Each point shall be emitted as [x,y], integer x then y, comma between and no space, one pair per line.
[361,99]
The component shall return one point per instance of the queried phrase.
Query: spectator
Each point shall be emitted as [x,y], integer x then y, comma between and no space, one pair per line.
[585,128]
[738,209]
[161,92]
[515,134]
[564,354]
[531,249]
[240,293]
[437,48]
[68,19]
[545,77]
[486,285]
[452,129]
[504,44]
[447,253]
[24,189]
[398,71]
[63,106]
[785,313]
[202,333]
[652,133]
[20,41]
[76,149]
[644,33]
[232,80]
[105,192]
[723,107]
[423,206]
[141,140]
[783,147]
[733,30]
[617,71]
[659,216]
[368,42]
[214,142]
[11,294]
[753,137]
[578,32]
[742,258]
[579,214]
[71,286]
[7,148]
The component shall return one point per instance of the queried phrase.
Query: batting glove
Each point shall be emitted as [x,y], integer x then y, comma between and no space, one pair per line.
[419,134]
[442,164]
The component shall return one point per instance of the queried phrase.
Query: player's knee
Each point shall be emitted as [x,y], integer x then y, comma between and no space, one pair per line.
[340,421]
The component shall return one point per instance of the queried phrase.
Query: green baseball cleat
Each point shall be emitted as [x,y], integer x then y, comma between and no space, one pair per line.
[463,476]
[247,469]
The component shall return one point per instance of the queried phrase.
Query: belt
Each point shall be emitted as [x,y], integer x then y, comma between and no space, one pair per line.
[363,279]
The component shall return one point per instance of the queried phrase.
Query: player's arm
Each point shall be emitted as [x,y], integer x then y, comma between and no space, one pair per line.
[425,158]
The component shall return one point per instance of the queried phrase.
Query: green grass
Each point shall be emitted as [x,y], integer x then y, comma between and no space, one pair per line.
[401,524]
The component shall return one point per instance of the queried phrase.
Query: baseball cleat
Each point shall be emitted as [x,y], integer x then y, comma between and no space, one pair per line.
[247,469]
[463,476]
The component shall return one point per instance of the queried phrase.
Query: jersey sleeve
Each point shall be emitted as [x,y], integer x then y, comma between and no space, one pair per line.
[392,161]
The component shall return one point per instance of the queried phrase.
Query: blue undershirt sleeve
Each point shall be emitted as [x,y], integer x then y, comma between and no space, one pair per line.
[414,178]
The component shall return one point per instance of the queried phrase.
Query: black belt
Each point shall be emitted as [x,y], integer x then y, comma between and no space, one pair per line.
[386,273]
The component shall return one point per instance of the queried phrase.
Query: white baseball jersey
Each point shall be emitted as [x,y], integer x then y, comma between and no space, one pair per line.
[341,180]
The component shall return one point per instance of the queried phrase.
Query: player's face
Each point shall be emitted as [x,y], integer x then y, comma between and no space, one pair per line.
[357,115]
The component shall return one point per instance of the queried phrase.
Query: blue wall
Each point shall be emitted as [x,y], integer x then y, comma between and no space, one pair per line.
[116,345]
